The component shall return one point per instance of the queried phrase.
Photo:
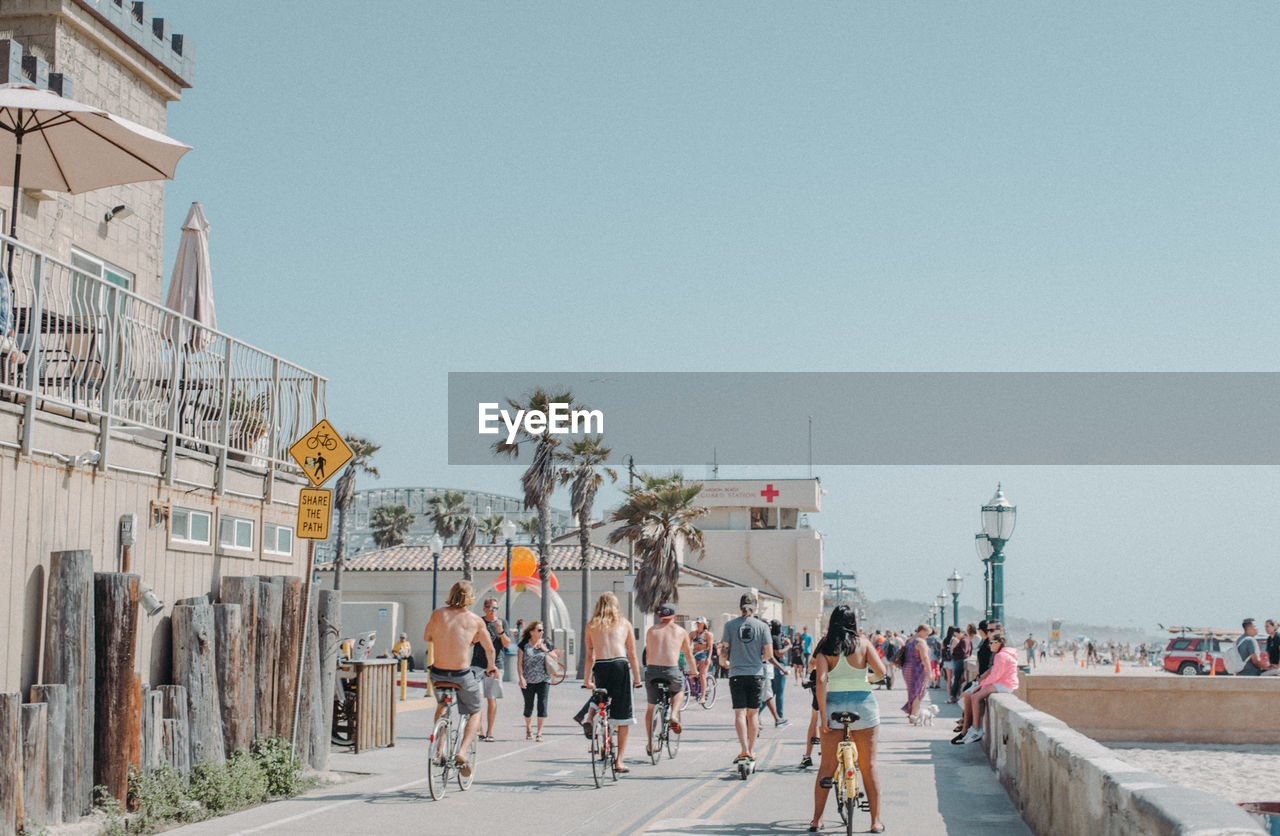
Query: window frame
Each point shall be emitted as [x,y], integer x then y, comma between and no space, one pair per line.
[186,540]
[273,550]
[236,522]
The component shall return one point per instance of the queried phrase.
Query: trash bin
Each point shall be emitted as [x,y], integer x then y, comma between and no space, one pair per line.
[508,666]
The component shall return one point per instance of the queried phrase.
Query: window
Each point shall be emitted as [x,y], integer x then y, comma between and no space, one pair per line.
[235,533]
[1180,644]
[808,580]
[277,539]
[88,296]
[189,526]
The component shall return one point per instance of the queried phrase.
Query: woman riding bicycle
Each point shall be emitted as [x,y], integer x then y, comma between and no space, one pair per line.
[700,643]
[844,658]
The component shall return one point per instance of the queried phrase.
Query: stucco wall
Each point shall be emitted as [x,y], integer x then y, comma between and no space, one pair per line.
[1065,784]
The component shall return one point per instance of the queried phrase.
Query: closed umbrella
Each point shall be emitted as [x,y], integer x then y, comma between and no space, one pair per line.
[62,145]
[191,285]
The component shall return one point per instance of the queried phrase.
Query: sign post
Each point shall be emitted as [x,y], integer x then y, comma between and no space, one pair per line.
[320,453]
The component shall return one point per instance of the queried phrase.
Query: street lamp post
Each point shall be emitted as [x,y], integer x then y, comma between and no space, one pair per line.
[984,554]
[998,517]
[436,545]
[942,613]
[508,533]
[954,583]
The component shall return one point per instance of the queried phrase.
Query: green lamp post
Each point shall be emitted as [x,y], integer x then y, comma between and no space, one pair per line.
[941,601]
[998,517]
[953,586]
[984,554]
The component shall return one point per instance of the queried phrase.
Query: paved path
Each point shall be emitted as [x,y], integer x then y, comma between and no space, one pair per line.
[527,789]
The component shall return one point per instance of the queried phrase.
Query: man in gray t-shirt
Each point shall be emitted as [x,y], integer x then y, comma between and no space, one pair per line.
[1255,662]
[746,644]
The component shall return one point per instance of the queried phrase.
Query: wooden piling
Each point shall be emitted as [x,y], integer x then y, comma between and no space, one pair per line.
[268,643]
[69,660]
[35,764]
[54,698]
[116,729]
[310,682]
[153,720]
[287,661]
[175,728]
[10,762]
[194,669]
[237,723]
[244,591]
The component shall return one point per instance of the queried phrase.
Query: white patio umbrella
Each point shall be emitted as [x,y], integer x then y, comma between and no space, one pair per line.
[63,145]
[191,284]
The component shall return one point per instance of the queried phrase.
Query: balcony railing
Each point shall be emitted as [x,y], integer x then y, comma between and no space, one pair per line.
[132,367]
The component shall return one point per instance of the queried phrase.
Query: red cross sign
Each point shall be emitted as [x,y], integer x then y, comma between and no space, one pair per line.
[768,493]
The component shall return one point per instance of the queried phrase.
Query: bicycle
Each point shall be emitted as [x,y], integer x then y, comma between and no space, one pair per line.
[845,777]
[445,737]
[604,746]
[322,440]
[660,731]
[692,690]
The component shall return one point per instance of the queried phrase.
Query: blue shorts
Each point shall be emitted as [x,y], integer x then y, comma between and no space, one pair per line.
[863,703]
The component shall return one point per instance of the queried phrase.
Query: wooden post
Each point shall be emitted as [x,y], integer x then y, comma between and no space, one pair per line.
[194,670]
[329,625]
[268,639]
[291,611]
[55,698]
[176,728]
[300,725]
[10,762]
[244,591]
[237,722]
[153,717]
[309,685]
[116,731]
[35,764]
[69,660]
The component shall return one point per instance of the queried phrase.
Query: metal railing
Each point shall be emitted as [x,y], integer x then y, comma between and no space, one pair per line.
[131,366]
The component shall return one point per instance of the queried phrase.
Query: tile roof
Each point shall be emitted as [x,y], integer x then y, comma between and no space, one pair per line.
[485,558]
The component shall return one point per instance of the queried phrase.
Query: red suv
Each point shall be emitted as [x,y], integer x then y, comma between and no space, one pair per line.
[1186,655]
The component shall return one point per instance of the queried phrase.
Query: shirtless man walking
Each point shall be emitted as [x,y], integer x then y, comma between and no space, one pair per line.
[663,644]
[452,630]
[612,665]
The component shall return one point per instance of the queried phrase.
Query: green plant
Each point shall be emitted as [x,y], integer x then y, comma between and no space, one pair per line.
[32,828]
[221,788]
[160,796]
[111,810]
[283,771]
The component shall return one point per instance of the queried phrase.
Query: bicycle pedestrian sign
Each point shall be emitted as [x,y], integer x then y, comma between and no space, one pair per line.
[320,453]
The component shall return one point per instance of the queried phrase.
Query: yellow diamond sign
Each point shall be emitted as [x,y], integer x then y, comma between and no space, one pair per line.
[320,453]
[314,506]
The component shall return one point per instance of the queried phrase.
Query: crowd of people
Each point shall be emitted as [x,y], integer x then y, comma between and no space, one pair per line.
[840,667]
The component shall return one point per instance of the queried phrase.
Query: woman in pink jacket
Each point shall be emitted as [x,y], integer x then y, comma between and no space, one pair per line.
[1000,678]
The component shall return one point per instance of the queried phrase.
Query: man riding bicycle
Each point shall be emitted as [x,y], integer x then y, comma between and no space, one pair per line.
[663,644]
[451,631]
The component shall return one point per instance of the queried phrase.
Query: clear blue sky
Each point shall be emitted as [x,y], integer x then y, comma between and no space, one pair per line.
[773,187]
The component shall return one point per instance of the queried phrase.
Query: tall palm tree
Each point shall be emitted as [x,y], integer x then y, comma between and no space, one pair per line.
[362,450]
[584,469]
[529,528]
[491,527]
[539,480]
[447,513]
[467,540]
[657,517]
[390,524]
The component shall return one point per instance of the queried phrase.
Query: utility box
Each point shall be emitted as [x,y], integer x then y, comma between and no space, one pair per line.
[381,617]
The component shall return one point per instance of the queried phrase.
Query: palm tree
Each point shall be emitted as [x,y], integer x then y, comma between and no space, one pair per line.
[467,540]
[390,524]
[584,468]
[362,450]
[529,528]
[491,527]
[657,516]
[448,513]
[539,480]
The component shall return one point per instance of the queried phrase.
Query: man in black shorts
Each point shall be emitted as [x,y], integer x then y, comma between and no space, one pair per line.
[746,643]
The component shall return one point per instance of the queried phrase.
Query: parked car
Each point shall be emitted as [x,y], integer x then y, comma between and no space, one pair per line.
[1185,655]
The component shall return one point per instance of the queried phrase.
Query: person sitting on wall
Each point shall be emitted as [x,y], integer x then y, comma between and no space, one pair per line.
[1001,678]
[403,650]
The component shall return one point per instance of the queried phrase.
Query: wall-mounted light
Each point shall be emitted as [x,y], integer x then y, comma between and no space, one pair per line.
[150,602]
[124,210]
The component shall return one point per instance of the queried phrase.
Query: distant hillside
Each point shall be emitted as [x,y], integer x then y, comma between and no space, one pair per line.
[899,614]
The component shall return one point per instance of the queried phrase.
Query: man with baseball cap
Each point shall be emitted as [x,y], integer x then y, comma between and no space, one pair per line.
[663,644]
[746,642]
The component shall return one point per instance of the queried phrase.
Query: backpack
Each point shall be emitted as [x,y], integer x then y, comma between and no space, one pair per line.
[1233,659]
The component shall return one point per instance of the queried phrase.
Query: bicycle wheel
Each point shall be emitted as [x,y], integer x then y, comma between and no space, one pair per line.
[656,723]
[441,759]
[673,741]
[711,692]
[464,783]
[599,748]
[848,817]
[613,753]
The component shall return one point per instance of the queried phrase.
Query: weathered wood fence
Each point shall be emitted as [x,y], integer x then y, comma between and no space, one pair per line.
[236,677]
